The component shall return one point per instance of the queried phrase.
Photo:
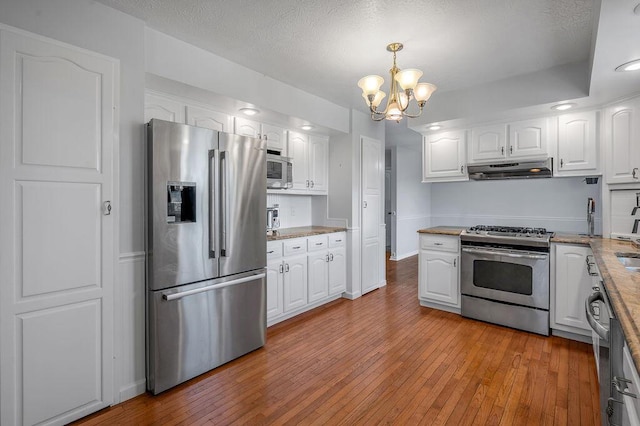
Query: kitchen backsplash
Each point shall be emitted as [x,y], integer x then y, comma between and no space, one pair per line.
[295,210]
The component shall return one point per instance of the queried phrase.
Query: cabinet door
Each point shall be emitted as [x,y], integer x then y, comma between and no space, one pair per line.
[244,127]
[622,130]
[439,277]
[276,137]
[443,156]
[337,271]
[488,143]
[572,286]
[295,282]
[318,276]
[318,167]
[163,108]
[275,299]
[577,142]
[298,151]
[528,138]
[209,119]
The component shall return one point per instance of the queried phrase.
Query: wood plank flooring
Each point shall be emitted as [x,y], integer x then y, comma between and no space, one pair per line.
[383,359]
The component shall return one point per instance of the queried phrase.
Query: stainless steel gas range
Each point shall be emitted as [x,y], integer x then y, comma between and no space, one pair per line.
[504,276]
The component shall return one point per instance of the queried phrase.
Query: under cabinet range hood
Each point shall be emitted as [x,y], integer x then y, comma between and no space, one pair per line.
[528,169]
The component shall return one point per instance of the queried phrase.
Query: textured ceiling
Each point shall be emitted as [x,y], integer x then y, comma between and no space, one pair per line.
[324,47]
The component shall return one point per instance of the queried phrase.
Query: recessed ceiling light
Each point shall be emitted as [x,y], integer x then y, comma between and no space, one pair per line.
[307,127]
[563,107]
[434,127]
[249,111]
[630,66]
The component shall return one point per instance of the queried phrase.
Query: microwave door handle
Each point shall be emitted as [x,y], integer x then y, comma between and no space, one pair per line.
[223,203]
[504,253]
[595,325]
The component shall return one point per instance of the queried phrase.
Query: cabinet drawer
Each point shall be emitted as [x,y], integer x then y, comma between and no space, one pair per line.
[319,242]
[299,245]
[338,239]
[274,249]
[439,242]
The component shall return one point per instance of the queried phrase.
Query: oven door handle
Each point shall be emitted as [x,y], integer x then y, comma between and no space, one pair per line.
[505,253]
[593,322]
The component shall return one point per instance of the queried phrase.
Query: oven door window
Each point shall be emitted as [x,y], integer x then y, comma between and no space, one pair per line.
[503,276]
[274,170]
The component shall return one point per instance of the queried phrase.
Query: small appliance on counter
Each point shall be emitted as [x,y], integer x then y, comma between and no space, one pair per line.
[273,220]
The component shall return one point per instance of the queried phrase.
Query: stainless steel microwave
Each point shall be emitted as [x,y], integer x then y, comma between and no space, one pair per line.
[279,172]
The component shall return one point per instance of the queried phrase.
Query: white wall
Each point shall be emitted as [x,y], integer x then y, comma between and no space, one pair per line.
[412,200]
[558,204]
[295,210]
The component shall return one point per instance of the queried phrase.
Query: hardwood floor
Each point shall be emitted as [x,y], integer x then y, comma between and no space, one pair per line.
[384,359]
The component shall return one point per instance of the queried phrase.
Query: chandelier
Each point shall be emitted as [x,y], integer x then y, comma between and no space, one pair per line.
[404,88]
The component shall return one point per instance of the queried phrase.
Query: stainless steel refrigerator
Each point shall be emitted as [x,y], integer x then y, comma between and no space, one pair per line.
[206,250]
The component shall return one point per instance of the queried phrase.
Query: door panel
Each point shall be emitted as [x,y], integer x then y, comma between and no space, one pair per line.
[244,200]
[371,213]
[58,129]
[208,119]
[318,276]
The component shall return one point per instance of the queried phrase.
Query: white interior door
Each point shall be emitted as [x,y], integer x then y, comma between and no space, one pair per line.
[57,131]
[371,213]
[387,208]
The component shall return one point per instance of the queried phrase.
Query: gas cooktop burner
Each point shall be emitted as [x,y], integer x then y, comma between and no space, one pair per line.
[517,235]
[508,229]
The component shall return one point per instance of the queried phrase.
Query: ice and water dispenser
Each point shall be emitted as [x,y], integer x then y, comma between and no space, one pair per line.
[181,202]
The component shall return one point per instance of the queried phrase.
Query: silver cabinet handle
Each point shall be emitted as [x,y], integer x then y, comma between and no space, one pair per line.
[286,267]
[327,258]
[319,244]
[454,263]
[561,163]
[511,149]
[595,325]
[502,150]
[296,247]
[307,183]
[438,244]
[182,294]
[634,173]
[461,169]
[364,204]
[312,184]
[281,268]
[331,257]
[270,251]
[106,208]
[338,241]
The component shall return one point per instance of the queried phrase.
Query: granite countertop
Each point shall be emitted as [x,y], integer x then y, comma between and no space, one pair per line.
[443,230]
[567,238]
[623,288]
[301,231]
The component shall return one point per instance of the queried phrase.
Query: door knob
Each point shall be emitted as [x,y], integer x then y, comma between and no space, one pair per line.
[106,208]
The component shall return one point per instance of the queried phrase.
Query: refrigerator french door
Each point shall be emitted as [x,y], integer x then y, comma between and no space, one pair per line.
[206,250]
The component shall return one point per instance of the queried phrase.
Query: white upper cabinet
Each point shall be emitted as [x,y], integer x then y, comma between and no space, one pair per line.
[621,132]
[244,127]
[443,157]
[577,144]
[488,143]
[163,108]
[528,138]
[318,163]
[276,138]
[209,119]
[309,156]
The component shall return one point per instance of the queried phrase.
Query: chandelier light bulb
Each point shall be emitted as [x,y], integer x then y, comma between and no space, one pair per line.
[408,79]
[423,91]
[370,84]
[394,112]
[378,97]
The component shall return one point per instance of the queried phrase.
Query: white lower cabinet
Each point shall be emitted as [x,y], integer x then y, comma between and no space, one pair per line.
[631,411]
[439,271]
[303,273]
[570,286]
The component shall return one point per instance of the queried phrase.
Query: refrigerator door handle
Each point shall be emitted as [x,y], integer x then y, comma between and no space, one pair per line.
[212,207]
[223,203]
[182,294]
